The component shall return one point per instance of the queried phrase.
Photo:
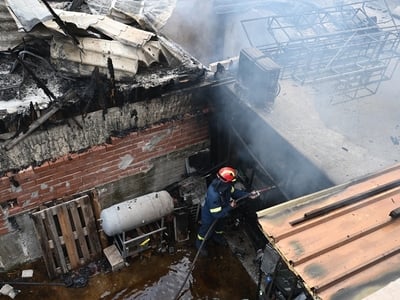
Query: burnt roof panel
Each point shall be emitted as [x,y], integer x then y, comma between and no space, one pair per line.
[28,13]
[116,30]
[154,12]
[148,12]
[9,35]
[341,241]
[91,52]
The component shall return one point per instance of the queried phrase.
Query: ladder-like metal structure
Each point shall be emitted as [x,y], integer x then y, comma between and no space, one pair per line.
[354,46]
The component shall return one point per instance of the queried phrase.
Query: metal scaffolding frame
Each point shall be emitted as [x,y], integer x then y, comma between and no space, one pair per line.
[354,46]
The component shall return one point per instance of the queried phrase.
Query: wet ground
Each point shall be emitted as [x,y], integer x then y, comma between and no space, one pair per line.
[151,275]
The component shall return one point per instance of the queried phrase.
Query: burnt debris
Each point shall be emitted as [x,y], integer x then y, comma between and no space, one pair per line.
[60,69]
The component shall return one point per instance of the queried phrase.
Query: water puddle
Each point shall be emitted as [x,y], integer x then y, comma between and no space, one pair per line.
[150,276]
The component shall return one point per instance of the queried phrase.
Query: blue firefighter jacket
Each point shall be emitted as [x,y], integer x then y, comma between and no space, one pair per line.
[217,201]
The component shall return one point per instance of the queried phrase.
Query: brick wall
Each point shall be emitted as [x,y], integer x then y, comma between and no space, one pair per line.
[123,157]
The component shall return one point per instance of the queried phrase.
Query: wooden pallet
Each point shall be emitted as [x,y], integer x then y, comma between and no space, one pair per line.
[68,236]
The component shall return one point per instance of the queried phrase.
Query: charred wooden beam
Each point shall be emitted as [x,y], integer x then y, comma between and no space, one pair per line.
[61,23]
[95,90]
[112,81]
[38,81]
[22,124]
[55,107]
[33,126]
[89,91]
[32,112]
[101,94]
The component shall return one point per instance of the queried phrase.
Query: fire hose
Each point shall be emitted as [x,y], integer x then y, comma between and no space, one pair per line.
[178,295]
[255,192]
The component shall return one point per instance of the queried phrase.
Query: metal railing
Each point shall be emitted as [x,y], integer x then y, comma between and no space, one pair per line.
[354,46]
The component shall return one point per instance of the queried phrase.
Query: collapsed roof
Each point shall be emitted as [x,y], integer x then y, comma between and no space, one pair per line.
[52,58]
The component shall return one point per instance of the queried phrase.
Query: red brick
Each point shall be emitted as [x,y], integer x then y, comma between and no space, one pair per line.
[4,180]
[15,210]
[66,176]
[44,196]
[100,164]
[4,230]
[25,174]
[5,194]
[61,191]
[45,179]
[105,177]
[75,183]
[117,155]
[116,141]
[23,198]
[31,206]
[100,167]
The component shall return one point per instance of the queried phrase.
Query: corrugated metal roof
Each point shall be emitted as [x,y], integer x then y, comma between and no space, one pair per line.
[341,241]
[153,12]
[67,57]
[28,13]
[145,12]
[116,30]
[9,35]
[128,47]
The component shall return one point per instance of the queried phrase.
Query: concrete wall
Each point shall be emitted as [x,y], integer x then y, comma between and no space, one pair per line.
[158,172]
[20,244]
[148,155]
[254,139]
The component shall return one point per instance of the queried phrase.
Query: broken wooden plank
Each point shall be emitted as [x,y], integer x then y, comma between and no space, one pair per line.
[69,230]
[53,235]
[79,230]
[63,26]
[32,127]
[44,244]
[67,233]
[91,227]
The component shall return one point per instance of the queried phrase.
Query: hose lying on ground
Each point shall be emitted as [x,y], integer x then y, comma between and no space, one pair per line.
[178,295]
[195,258]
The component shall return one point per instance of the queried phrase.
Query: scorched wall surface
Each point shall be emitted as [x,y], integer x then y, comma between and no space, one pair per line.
[135,162]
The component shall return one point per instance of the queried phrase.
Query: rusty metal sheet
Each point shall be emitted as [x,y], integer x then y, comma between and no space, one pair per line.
[341,241]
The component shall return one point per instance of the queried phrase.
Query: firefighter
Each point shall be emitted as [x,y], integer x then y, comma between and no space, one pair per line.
[217,205]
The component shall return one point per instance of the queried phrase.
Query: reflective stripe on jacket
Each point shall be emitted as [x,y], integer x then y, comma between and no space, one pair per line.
[217,203]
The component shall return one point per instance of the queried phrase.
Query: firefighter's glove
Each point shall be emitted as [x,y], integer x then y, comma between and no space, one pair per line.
[254,194]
